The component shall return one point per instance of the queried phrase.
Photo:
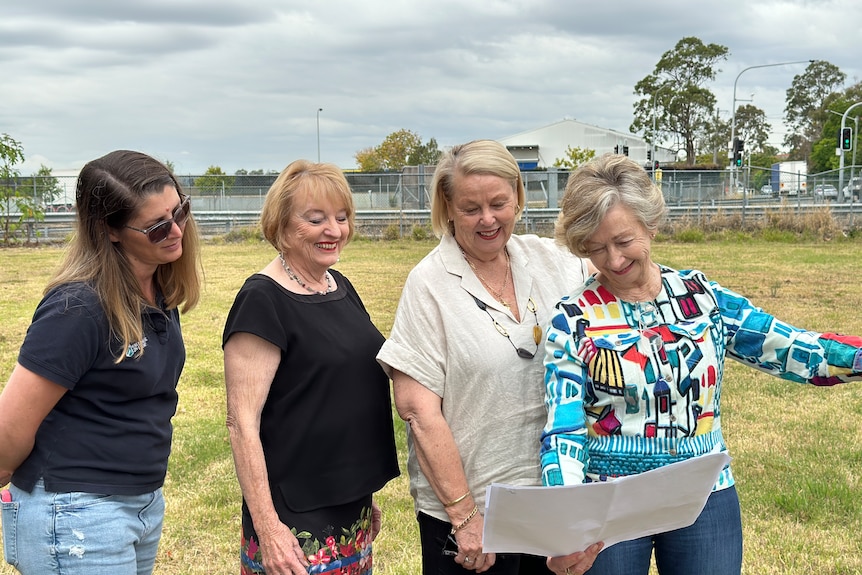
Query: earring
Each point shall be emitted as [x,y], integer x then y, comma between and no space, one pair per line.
[517,208]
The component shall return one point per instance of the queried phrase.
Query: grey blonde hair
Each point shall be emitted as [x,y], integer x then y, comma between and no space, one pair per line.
[596,187]
[485,157]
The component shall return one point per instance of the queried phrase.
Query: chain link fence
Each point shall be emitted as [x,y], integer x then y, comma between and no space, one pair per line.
[399,202]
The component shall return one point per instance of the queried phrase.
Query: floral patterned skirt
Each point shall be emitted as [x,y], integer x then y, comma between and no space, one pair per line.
[335,540]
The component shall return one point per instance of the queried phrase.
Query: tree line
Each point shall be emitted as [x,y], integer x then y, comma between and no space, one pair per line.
[675,104]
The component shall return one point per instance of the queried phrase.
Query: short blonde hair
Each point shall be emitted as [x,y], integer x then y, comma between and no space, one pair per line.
[596,187]
[317,181]
[485,157]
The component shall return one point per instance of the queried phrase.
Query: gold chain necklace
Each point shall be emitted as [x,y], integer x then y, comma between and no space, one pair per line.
[498,295]
[290,273]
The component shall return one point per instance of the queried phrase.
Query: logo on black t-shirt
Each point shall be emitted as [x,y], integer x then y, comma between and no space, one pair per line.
[136,347]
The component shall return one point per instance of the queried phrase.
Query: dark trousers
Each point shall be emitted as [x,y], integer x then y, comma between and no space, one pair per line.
[433,534]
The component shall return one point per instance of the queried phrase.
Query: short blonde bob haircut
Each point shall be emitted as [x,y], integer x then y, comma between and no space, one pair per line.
[303,180]
[485,157]
[596,187]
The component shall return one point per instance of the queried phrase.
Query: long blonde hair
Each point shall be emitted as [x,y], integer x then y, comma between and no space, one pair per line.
[110,191]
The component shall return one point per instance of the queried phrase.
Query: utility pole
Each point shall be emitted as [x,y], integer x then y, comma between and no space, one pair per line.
[733,108]
[319,110]
[840,151]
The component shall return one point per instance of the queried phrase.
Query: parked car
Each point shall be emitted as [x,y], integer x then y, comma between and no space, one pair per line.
[853,188]
[825,191]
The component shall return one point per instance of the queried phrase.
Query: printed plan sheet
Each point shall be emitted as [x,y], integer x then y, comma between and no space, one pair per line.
[558,520]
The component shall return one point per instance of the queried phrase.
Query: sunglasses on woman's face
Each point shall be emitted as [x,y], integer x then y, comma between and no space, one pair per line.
[159,232]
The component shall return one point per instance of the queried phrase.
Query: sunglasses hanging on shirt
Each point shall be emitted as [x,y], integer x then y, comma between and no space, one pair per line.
[537,331]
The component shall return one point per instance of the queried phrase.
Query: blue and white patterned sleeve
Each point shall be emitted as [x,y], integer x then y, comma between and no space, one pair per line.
[564,455]
[760,340]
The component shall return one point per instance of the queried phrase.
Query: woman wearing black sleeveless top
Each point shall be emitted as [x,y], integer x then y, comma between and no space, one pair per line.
[309,409]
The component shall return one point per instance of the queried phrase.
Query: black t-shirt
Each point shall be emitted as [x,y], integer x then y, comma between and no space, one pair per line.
[111,432]
[326,426]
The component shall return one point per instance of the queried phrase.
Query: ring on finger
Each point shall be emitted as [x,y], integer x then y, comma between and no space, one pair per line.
[467,560]
[568,571]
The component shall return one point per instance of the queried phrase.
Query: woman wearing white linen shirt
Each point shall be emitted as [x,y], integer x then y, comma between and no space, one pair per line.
[462,357]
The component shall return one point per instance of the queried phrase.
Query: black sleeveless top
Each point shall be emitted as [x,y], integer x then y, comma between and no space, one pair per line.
[326,426]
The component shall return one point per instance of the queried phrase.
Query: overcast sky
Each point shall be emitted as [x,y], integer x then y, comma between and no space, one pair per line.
[238,83]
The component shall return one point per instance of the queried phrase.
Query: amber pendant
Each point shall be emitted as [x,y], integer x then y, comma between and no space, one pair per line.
[537,334]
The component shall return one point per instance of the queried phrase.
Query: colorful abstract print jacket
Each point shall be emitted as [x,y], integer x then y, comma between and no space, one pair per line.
[631,387]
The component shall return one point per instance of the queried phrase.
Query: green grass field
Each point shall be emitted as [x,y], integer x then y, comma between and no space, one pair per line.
[797,450]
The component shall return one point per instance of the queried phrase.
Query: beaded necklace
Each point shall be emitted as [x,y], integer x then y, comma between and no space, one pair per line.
[302,284]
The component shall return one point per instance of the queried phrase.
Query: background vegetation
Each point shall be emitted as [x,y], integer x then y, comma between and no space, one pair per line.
[797,450]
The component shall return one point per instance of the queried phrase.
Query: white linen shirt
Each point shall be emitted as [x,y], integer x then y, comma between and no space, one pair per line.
[493,400]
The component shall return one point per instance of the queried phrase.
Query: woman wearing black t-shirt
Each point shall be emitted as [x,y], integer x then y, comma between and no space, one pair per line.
[308,405]
[85,418]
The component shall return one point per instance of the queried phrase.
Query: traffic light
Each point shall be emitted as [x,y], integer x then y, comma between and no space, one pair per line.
[738,146]
[846,138]
[616,149]
[655,165]
[648,155]
[625,150]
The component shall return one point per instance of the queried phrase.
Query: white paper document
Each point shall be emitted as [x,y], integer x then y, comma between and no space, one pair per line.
[558,520]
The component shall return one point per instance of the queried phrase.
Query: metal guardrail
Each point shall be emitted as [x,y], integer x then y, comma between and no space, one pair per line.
[374,223]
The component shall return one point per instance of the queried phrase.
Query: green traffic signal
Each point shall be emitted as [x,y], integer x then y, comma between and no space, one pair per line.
[847,139]
[738,147]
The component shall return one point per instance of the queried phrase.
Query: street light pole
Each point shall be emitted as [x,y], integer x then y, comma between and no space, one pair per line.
[319,110]
[855,138]
[841,154]
[733,108]
[654,127]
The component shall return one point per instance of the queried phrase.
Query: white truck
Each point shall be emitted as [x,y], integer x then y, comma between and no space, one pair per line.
[790,178]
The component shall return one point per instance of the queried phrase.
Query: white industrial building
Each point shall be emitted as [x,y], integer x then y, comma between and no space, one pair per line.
[539,148]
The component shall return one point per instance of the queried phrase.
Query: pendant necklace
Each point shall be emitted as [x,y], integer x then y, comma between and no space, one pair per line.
[537,330]
[302,284]
[498,295]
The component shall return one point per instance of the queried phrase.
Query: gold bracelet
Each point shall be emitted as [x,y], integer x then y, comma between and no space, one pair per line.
[464,523]
[457,501]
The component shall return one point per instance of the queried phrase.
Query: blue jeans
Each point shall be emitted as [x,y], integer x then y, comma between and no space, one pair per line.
[81,533]
[712,545]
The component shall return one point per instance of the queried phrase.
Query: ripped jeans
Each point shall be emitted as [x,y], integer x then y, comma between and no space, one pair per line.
[81,533]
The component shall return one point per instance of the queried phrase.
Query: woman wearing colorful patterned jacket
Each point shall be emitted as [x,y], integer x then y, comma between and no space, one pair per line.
[634,361]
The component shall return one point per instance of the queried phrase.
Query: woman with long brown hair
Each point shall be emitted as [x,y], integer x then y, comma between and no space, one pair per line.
[85,418]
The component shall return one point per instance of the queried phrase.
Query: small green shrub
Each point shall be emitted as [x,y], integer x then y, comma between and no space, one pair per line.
[731,236]
[391,233]
[778,236]
[242,235]
[690,236]
[419,233]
